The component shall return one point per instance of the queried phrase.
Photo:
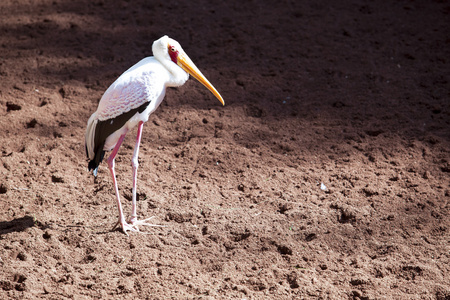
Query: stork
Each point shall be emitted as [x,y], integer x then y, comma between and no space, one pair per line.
[129,102]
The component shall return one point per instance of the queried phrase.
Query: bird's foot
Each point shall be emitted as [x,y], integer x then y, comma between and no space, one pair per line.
[134,223]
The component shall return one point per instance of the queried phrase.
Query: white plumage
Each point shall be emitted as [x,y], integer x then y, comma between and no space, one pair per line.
[144,82]
[129,102]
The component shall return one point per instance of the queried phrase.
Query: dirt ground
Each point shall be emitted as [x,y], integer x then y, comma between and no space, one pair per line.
[325,176]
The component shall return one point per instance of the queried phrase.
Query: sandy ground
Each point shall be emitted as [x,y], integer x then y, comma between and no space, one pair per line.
[325,176]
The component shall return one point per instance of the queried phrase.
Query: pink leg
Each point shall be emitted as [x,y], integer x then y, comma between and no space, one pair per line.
[111,164]
[135,164]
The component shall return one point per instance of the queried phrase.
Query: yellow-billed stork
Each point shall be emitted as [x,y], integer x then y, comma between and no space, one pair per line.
[128,102]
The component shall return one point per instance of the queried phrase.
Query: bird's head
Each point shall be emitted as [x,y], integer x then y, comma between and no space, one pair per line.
[169,50]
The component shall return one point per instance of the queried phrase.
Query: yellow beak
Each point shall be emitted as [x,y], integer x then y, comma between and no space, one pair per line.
[186,64]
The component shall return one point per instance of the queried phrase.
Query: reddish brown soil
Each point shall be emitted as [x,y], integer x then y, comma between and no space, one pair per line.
[350,96]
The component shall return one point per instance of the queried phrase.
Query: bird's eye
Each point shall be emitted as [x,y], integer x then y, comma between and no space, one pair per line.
[173,53]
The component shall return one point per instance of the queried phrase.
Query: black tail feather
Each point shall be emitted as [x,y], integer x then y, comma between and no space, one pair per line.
[103,129]
[93,164]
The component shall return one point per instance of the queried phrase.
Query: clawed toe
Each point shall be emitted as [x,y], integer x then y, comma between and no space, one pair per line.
[145,223]
[133,227]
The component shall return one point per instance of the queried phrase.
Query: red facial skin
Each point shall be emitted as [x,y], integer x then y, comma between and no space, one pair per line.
[173,52]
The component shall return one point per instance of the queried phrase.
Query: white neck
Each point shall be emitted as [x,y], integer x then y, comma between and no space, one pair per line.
[177,75]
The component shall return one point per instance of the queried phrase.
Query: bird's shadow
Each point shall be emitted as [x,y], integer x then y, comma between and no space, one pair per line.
[16,225]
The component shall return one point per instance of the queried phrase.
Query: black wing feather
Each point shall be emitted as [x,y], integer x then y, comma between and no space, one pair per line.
[104,129]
